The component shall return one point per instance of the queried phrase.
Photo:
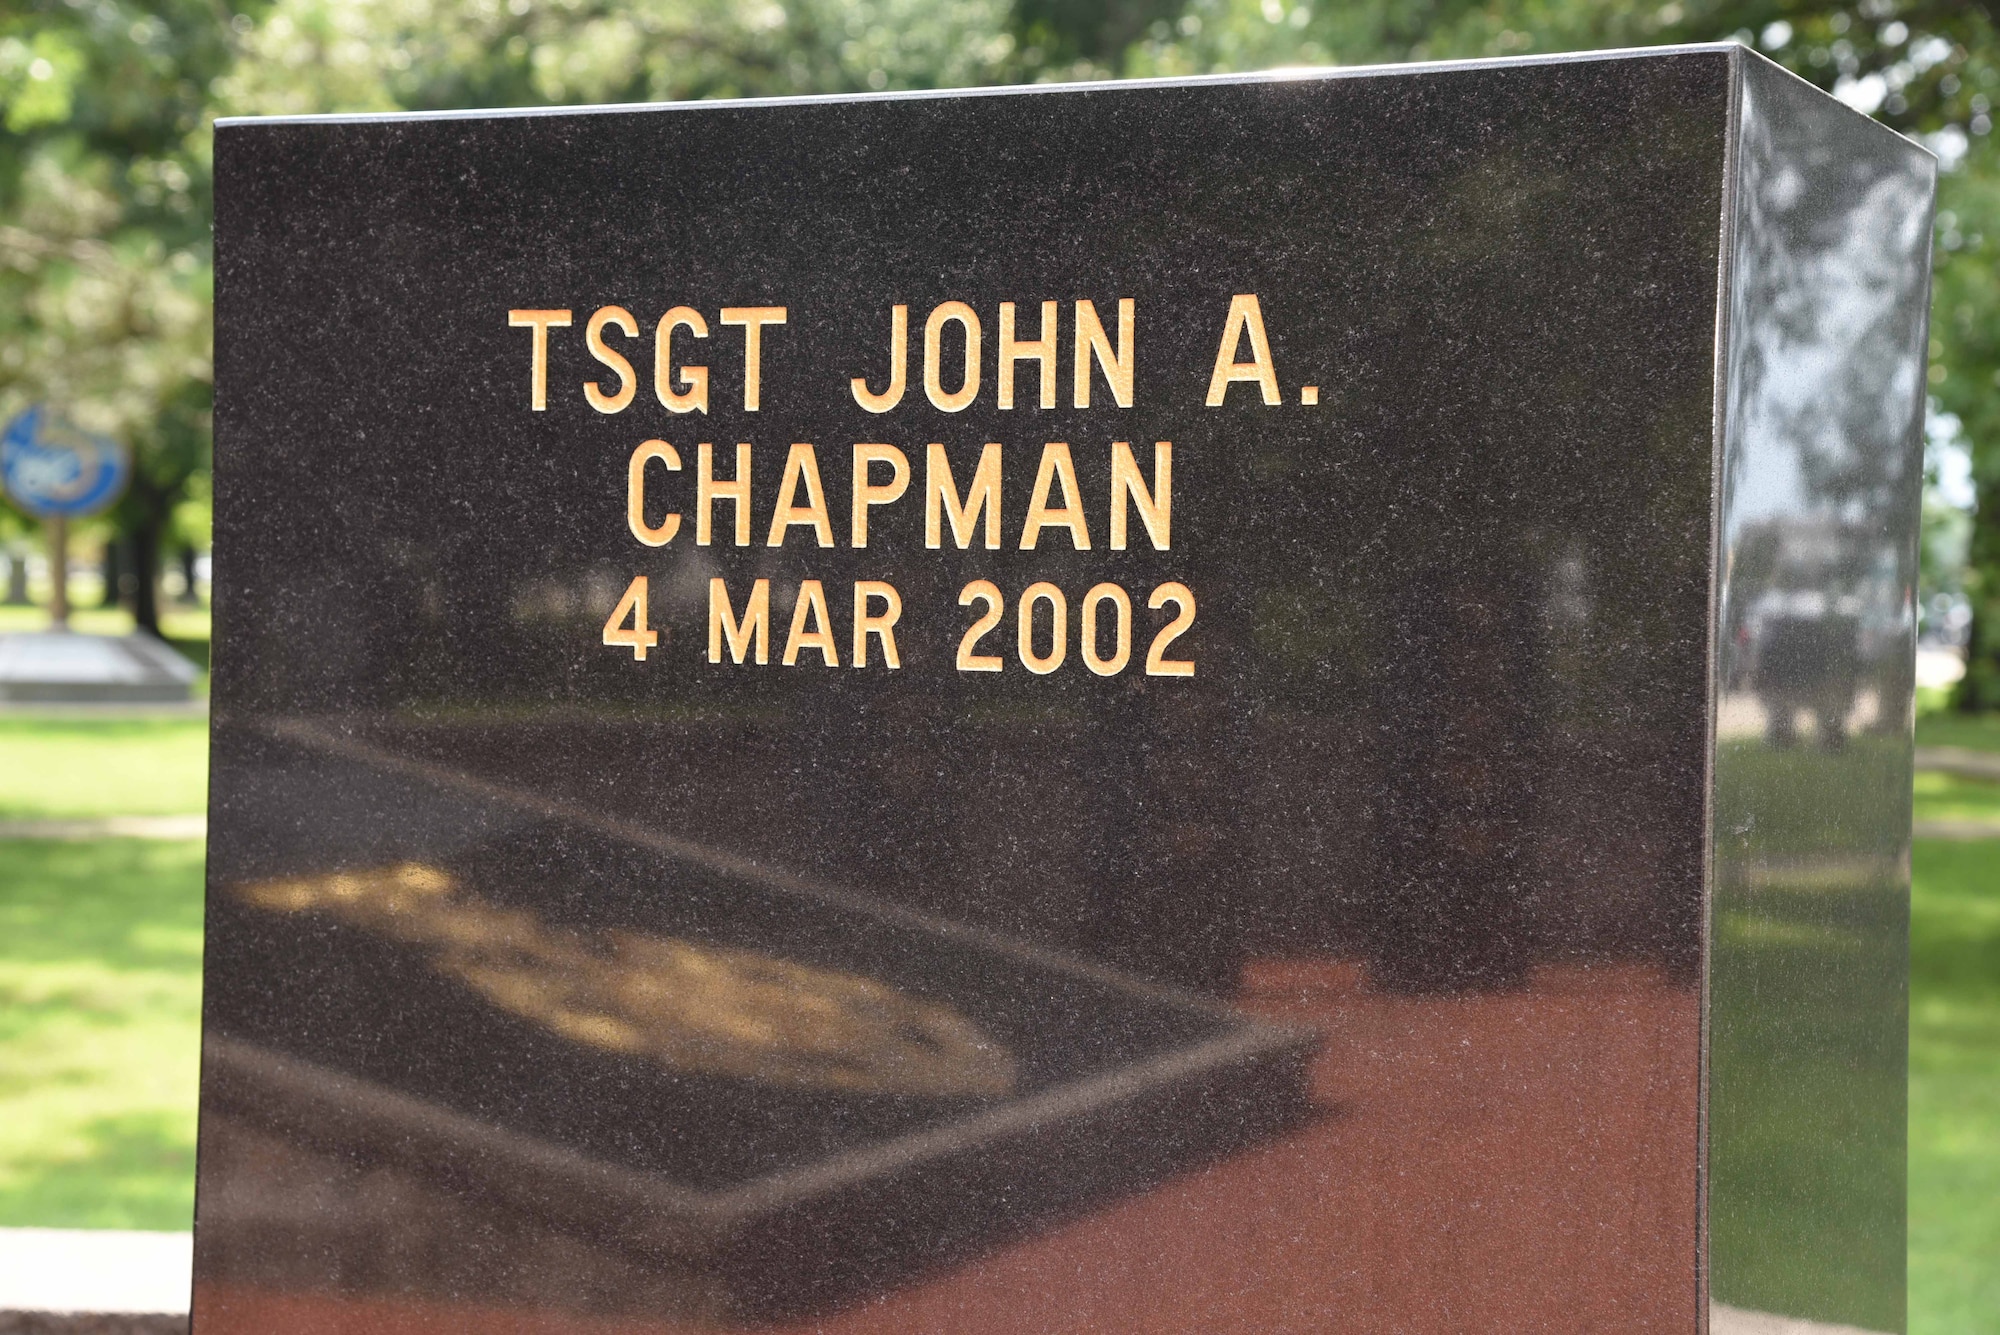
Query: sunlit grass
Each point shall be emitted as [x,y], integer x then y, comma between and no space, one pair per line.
[1952,797]
[1979,732]
[69,767]
[100,1015]
[1955,1089]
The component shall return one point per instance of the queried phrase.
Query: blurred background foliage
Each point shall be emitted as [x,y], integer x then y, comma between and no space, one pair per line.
[106,108]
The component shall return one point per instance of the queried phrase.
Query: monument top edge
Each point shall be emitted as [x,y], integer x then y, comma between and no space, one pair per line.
[1290,74]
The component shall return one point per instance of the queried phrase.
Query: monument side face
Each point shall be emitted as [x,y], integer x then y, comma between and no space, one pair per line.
[1139,764]
[1822,425]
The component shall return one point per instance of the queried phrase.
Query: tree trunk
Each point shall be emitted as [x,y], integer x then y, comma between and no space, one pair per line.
[144,558]
[114,570]
[1979,688]
[17,579]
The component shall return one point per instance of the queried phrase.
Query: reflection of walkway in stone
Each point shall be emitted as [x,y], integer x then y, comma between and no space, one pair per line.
[108,827]
[1743,714]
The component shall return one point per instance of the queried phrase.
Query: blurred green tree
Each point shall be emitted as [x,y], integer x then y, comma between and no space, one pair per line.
[383,55]
[104,250]
[106,108]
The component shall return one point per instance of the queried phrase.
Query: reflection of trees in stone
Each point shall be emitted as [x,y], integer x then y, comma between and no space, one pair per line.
[1822,412]
[1826,241]
[1823,409]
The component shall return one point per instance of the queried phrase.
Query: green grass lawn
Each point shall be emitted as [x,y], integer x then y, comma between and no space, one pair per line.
[1949,797]
[177,621]
[72,766]
[1955,1088]
[100,1017]
[1955,1051]
[100,976]
[1978,732]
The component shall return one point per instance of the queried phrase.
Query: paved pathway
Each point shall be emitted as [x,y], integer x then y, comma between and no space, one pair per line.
[1960,760]
[108,827]
[94,1270]
[1973,828]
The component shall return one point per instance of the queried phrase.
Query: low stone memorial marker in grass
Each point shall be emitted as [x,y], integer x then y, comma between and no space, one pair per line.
[1257,704]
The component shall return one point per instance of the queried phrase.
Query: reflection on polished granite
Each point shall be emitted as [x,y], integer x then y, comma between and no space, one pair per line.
[684,1005]
[1815,674]
[1497,928]
[1422,1099]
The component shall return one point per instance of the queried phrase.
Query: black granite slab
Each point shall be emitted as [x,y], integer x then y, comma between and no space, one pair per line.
[1409,962]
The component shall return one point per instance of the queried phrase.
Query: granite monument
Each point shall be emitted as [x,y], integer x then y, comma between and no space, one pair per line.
[1252,704]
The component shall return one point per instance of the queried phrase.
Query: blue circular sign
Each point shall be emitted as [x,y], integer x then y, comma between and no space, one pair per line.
[52,469]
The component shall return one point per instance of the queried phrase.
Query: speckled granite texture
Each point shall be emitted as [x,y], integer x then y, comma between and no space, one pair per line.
[1440,870]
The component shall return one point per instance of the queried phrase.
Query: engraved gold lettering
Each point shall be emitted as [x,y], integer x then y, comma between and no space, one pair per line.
[593,337]
[867,493]
[1024,628]
[538,365]
[1157,662]
[753,319]
[899,367]
[961,398]
[1042,350]
[695,398]
[811,606]
[635,494]
[723,624]
[1057,469]
[980,590]
[801,467]
[881,624]
[1245,317]
[941,498]
[1156,505]
[1091,341]
[636,637]
[708,490]
[1121,652]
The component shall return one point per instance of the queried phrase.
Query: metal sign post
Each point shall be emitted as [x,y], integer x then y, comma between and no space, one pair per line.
[59,571]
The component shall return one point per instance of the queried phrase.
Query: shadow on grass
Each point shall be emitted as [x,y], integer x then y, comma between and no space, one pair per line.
[100,979]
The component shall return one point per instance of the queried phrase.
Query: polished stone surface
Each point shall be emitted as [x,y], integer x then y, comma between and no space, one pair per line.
[1815,677]
[1357,979]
